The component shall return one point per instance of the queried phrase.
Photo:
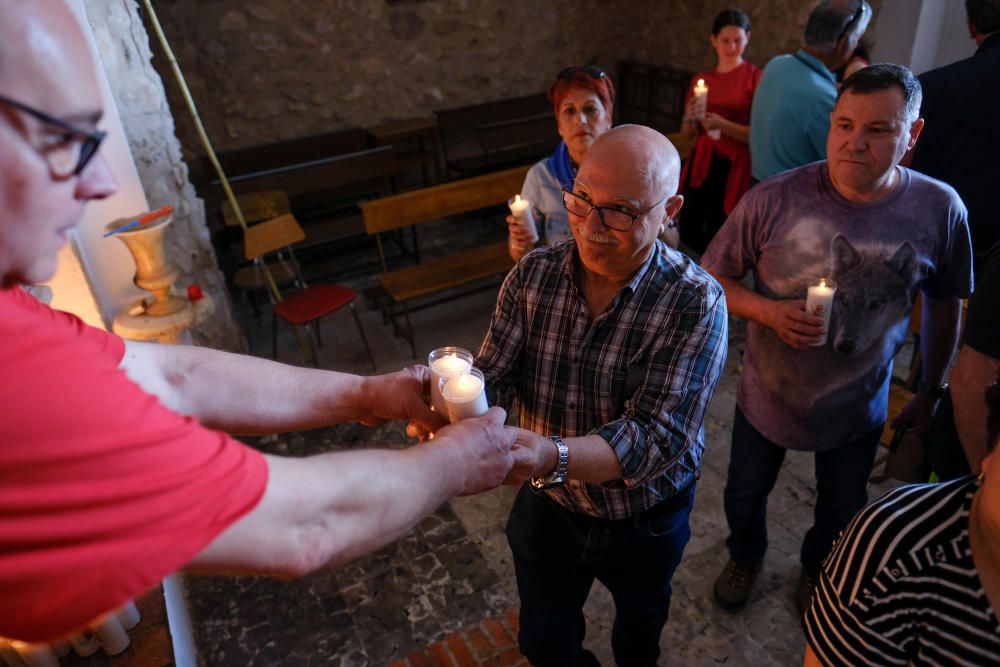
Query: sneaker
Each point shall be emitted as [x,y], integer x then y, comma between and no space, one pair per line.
[735,582]
[804,592]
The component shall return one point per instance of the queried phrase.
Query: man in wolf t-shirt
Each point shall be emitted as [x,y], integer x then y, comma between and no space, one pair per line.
[879,232]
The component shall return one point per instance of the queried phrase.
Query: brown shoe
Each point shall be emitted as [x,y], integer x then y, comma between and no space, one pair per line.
[734,584]
[804,592]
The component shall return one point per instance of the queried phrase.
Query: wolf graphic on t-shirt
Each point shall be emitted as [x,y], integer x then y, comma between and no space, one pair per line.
[875,289]
[795,228]
[873,294]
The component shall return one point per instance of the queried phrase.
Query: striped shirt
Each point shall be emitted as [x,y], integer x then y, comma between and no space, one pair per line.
[900,586]
[640,375]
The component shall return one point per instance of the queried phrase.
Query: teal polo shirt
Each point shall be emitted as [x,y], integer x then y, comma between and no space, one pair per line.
[790,116]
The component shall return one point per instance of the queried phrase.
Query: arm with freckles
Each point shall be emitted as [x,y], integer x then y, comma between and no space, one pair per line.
[661,419]
[327,509]
[246,395]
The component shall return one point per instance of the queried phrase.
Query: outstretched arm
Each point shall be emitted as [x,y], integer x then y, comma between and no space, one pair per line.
[328,509]
[241,394]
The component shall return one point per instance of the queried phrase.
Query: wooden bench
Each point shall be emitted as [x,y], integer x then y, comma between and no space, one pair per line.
[459,269]
[521,139]
[264,157]
[459,137]
[323,194]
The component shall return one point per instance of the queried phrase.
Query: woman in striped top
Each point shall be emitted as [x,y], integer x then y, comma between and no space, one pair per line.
[915,577]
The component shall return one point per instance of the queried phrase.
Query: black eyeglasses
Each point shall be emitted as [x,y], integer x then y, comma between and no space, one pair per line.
[75,148]
[591,70]
[617,218]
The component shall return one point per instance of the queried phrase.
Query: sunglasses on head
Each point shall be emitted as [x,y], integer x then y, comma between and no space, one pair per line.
[590,70]
[858,13]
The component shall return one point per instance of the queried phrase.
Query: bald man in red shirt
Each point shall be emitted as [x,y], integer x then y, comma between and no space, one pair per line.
[115,466]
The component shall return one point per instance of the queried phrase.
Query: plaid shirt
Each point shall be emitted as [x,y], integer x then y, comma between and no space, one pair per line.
[640,376]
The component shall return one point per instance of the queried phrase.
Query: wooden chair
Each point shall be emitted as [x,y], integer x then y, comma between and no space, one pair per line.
[310,302]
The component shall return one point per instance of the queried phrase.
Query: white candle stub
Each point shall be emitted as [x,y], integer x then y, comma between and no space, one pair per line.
[465,396]
[701,98]
[446,362]
[521,210]
[819,302]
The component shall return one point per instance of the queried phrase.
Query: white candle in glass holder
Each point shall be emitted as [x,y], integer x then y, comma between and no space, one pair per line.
[521,210]
[446,362]
[819,302]
[465,395]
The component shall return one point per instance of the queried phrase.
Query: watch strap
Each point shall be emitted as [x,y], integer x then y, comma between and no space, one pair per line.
[561,473]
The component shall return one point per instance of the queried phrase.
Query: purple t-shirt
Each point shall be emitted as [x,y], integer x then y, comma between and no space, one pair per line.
[794,228]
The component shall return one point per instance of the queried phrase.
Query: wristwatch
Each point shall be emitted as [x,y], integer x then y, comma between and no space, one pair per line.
[936,392]
[560,474]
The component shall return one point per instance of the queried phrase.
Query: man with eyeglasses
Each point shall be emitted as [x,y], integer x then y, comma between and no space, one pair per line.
[790,115]
[108,479]
[612,346]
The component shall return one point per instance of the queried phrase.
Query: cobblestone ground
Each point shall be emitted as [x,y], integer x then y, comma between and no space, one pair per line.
[454,571]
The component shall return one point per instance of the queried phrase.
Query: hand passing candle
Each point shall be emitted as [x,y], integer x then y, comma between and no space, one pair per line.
[819,302]
[521,210]
[446,362]
[465,395]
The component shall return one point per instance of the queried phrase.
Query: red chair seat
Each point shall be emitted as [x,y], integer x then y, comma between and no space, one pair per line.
[314,302]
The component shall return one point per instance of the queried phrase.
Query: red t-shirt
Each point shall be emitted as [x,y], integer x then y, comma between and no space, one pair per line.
[103,490]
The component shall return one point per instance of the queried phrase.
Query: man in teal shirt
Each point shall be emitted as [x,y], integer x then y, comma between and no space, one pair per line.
[790,116]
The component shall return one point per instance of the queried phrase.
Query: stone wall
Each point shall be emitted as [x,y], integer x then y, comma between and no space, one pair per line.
[677,33]
[276,69]
[138,90]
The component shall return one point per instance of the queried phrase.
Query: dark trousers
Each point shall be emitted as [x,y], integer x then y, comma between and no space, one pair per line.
[841,490]
[557,556]
[703,213]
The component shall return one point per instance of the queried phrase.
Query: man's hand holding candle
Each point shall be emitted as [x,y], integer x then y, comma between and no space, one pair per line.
[484,446]
[796,327]
[399,395]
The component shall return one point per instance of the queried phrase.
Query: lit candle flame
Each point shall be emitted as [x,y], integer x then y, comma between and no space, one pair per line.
[517,198]
[701,83]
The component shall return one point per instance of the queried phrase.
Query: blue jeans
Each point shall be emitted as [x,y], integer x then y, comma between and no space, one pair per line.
[558,554]
[841,490]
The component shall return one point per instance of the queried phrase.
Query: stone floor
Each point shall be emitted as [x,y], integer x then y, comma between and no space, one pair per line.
[454,569]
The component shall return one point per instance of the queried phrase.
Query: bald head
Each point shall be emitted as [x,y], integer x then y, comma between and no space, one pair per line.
[42,49]
[642,153]
[46,70]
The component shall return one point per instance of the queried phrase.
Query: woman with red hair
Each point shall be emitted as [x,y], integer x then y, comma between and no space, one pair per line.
[583,99]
